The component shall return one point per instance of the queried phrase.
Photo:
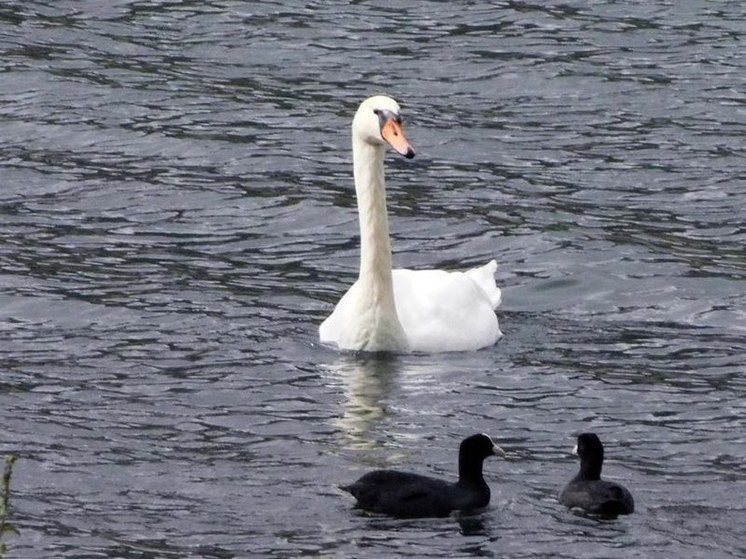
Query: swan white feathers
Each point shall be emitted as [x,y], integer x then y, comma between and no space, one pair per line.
[403,310]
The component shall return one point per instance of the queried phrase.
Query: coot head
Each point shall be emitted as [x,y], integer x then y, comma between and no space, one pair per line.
[479,447]
[591,453]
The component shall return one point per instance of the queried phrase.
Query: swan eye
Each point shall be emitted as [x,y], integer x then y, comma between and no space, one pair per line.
[384,115]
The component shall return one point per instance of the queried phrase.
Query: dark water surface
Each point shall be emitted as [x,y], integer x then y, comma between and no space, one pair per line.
[177,217]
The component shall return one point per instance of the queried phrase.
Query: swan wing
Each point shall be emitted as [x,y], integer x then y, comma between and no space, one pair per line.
[484,277]
[447,311]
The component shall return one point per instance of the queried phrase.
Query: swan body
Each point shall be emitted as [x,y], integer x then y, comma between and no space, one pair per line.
[403,310]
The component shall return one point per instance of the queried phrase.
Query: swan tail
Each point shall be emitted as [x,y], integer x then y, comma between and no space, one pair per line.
[484,277]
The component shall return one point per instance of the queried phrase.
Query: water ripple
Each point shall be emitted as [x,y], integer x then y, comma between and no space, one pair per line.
[178,216]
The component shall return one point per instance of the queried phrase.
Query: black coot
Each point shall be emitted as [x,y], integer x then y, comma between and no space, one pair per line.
[588,491]
[406,495]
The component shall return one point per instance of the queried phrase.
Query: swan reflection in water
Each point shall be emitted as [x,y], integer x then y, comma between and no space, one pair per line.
[367,383]
[372,382]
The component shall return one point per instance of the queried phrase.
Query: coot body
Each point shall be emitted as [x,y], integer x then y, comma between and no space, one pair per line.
[587,491]
[408,495]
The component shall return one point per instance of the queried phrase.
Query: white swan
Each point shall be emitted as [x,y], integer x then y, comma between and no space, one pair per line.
[403,310]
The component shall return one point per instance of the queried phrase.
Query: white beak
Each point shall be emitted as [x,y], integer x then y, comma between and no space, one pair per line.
[497,451]
[575,449]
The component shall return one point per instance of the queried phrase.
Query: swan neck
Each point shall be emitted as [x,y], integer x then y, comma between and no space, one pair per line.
[370,187]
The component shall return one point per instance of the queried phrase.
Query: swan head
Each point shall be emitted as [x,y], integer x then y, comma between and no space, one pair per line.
[378,122]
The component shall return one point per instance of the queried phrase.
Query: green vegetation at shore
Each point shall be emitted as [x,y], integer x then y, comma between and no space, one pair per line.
[5,526]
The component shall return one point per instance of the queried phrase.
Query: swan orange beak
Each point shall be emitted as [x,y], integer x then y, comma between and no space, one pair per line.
[393,133]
